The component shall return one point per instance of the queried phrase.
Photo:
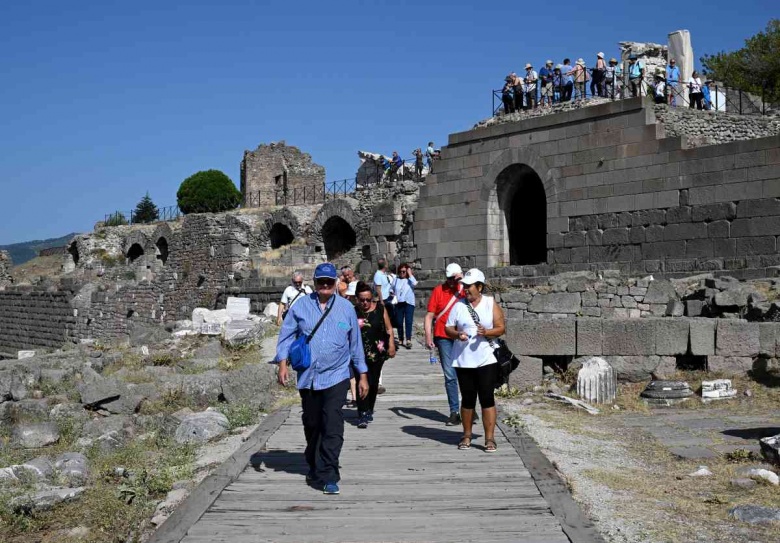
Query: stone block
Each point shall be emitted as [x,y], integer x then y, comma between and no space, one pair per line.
[634,368]
[628,337]
[589,337]
[522,296]
[663,249]
[763,245]
[594,237]
[685,231]
[615,236]
[678,214]
[671,336]
[694,308]
[527,374]
[769,333]
[542,337]
[719,229]
[730,365]
[556,302]
[714,212]
[736,338]
[675,309]
[574,239]
[660,292]
[637,234]
[654,233]
[758,208]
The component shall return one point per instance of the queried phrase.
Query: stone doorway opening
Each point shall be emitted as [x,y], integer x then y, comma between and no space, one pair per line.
[338,236]
[523,205]
[280,235]
[162,250]
[73,250]
[134,253]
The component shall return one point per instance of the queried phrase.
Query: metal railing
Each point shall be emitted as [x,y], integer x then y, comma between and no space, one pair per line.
[722,98]
[164,214]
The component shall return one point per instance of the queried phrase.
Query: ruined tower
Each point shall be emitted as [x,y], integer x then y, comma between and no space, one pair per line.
[277,173]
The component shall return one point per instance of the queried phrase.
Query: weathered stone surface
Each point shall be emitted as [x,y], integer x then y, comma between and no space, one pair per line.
[98,390]
[770,448]
[760,474]
[73,466]
[738,338]
[667,390]
[37,469]
[755,514]
[202,427]
[31,410]
[730,365]
[702,334]
[45,500]
[694,308]
[634,368]
[243,385]
[528,373]
[35,435]
[589,337]
[242,332]
[660,292]
[671,336]
[769,336]
[556,302]
[597,381]
[735,296]
[539,337]
[271,309]
[717,389]
[628,337]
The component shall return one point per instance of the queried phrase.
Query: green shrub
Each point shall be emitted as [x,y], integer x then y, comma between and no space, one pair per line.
[208,191]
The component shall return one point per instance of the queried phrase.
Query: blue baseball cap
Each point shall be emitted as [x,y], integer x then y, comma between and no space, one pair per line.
[326,270]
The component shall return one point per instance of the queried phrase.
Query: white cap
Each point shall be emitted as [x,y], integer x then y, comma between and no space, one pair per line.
[452,270]
[600,55]
[473,276]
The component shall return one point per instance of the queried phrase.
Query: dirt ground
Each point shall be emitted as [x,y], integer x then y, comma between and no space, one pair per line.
[629,467]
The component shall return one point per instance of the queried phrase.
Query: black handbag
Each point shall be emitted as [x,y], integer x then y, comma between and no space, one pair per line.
[507,362]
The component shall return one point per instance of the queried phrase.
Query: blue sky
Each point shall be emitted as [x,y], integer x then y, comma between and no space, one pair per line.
[103,101]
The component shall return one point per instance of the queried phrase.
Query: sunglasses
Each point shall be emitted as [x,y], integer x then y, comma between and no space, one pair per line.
[299,283]
[364,300]
[325,282]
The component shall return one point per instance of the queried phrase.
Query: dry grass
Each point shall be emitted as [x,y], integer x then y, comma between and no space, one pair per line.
[39,267]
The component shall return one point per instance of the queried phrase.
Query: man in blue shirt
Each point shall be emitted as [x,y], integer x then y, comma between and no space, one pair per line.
[672,81]
[324,384]
[568,81]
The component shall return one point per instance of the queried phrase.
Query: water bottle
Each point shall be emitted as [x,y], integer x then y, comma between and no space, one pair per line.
[433,359]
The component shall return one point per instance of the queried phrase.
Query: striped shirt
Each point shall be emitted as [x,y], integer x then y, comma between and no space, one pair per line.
[336,344]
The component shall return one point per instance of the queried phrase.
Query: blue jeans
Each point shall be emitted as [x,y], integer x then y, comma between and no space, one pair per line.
[404,318]
[450,378]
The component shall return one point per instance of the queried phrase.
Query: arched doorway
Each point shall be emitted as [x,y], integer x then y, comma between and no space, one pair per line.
[162,250]
[523,203]
[280,235]
[73,250]
[134,252]
[338,237]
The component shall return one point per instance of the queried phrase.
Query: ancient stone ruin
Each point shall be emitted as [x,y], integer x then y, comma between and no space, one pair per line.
[5,269]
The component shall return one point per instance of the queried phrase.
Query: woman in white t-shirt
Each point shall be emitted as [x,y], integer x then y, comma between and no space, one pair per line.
[472,355]
[695,93]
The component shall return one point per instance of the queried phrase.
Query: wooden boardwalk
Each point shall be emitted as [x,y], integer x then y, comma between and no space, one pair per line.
[403,480]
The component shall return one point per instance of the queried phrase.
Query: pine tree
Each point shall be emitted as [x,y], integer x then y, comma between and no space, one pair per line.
[145,211]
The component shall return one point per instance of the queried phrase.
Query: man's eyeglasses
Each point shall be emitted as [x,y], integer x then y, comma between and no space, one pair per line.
[325,282]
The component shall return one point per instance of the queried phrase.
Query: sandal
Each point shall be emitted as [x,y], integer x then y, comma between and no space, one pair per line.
[465,443]
[490,446]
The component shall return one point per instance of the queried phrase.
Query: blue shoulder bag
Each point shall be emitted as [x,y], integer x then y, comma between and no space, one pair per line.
[300,352]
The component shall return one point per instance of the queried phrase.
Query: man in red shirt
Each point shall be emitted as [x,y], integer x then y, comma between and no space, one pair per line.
[443,298]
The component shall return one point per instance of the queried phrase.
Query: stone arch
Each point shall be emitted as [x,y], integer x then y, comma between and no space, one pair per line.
[134,253]
[518,180]
[334,208]
[281,228]
[73,251]
[280,235]
[162,236]
[338,237]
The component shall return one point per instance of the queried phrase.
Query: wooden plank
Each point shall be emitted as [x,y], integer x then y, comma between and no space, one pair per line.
[403,480]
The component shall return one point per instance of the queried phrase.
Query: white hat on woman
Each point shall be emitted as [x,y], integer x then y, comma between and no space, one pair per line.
[453,269]
[473,276]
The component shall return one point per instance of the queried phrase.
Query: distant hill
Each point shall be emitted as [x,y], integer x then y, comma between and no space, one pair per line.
[27,250]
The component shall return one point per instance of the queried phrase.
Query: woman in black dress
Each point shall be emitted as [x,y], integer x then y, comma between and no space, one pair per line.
[378,344]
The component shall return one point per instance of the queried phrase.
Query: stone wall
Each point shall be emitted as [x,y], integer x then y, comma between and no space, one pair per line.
[5,269]
[32,318]
[283,169]
[605,170]
[708,127]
